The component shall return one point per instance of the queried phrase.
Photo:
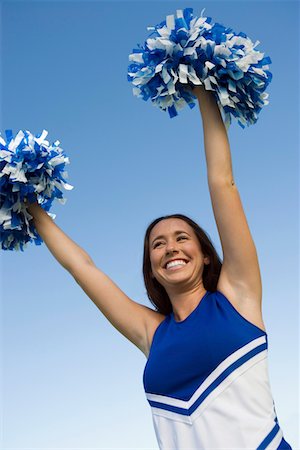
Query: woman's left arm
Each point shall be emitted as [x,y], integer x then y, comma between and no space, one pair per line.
[240,268]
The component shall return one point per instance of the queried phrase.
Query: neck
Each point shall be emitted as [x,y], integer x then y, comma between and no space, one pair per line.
[183,303]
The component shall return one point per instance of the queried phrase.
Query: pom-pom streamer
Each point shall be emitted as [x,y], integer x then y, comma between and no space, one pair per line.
[30,169]
[185,50]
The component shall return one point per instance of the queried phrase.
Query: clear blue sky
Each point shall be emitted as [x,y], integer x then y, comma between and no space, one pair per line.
[69,379]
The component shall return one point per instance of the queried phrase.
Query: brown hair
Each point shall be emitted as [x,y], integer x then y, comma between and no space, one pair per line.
[211,272]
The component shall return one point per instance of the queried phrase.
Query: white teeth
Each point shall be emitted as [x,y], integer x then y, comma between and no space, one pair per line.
[178,262]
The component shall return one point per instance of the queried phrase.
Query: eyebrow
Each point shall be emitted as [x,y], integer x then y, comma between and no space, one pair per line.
[176,232]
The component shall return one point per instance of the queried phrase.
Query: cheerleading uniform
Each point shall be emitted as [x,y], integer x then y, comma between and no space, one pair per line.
[207,382]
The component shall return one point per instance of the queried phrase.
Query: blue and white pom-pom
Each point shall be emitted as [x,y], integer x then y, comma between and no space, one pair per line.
[185,50]
[32,169]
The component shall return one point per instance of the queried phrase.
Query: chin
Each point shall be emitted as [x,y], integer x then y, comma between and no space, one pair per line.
[177,280]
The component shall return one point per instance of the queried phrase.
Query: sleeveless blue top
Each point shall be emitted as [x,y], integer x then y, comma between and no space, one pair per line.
[207,382]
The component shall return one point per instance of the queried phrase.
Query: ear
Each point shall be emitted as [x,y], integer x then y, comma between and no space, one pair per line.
[207,260]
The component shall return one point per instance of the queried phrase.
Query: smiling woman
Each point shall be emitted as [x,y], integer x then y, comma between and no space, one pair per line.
[205,341]
[205,356]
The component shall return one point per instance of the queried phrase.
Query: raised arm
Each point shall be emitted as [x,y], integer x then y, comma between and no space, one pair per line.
[216,144]
[127,316]
[240,274]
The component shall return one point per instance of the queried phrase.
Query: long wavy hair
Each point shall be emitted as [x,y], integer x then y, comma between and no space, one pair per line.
[211,272]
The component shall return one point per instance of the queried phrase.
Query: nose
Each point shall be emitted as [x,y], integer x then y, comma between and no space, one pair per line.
[171,247]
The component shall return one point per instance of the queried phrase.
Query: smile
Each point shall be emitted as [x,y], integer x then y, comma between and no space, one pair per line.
[175,264]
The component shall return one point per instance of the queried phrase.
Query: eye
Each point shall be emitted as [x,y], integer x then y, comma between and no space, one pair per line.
[157,243]
[182,237]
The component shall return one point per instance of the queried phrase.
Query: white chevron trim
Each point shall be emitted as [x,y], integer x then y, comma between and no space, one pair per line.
[227,381]
[172,415]
[215,374]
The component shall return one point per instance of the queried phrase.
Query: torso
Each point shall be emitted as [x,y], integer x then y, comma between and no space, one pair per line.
[248,306]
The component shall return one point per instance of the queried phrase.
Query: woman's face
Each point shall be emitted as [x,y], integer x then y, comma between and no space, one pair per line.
[175,254]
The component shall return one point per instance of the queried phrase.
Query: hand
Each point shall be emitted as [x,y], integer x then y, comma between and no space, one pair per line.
[192,89]
[199,90]
[28,204]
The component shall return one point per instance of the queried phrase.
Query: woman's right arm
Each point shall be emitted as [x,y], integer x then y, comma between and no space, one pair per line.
[66,251]
[133,320]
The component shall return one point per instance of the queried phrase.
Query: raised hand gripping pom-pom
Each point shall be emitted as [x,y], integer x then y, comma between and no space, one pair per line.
[30,168]
[186,50]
